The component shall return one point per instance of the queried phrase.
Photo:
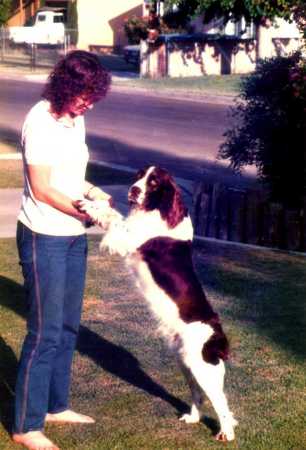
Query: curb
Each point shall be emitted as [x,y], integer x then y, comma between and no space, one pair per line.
[180,94]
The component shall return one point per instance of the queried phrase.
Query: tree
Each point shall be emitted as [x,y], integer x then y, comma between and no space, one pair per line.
[72,21]
[177,16]
[5,8]
[269,128]
[235,9]
[261,12]
[299,15]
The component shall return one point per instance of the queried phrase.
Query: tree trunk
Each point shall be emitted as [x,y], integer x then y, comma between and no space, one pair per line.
[21,13]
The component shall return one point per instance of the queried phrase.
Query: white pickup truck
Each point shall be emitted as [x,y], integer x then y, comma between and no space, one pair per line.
[48,28]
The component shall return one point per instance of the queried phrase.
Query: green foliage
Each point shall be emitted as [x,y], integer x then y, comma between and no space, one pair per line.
[249,9]
[136,29]
[179,18]
[299,15]
[269,127]
[5,8]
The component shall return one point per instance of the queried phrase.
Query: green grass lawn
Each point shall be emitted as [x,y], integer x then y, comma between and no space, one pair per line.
[8,145]
[10,170]
[125,376]
[11,174]
[212,84]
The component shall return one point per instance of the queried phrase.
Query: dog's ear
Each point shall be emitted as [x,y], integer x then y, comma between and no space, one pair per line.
[172,208]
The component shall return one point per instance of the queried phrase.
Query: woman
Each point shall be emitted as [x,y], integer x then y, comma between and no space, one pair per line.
[52,243]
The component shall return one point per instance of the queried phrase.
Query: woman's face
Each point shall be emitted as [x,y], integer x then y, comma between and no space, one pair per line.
[79,106]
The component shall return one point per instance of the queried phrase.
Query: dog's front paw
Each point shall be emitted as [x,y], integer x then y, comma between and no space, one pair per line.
[113,246]
[190,418]
[227,433]
[225,437]
[105,244]
[99,211]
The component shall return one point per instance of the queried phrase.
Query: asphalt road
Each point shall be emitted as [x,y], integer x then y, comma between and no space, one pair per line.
[133,128]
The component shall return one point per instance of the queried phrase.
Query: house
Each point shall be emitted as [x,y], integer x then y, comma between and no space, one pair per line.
[22,12]
[280,37]
[99,24]
[214,49]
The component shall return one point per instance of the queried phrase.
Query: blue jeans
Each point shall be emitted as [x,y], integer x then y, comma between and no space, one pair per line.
[54,269]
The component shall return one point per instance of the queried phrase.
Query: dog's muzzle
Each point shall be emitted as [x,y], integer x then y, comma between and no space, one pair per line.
[133,194]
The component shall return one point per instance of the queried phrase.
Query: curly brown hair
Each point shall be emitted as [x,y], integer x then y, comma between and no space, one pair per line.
[78,74]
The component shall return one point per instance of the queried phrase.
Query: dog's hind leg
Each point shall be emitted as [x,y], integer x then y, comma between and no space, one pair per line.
[211,377]
[196,394]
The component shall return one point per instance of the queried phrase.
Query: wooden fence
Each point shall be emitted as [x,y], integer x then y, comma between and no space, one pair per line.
[246,216]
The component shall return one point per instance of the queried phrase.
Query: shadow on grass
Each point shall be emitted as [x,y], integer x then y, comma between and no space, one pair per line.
[121,363]
[107,355]
[268,291]
[8,373]
[12,297]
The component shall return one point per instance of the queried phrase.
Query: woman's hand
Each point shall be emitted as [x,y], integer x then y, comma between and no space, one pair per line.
[99,211]
[95,193]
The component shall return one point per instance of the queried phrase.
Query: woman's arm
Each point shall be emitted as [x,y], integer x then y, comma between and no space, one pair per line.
[39,178]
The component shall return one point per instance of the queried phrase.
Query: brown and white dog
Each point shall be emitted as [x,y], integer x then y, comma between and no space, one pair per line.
[156,239]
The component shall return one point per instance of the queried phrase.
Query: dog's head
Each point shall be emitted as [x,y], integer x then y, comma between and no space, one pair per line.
[155,189]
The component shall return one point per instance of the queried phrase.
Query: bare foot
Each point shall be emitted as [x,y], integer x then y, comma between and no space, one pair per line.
[69,416]
[34,440]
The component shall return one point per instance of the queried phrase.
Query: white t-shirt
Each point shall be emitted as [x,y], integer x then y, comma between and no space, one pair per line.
[49,142]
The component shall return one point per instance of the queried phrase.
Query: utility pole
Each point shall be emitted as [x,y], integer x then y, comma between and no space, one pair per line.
[21,15]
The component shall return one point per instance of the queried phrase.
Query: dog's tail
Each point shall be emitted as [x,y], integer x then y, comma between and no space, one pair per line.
[217,346]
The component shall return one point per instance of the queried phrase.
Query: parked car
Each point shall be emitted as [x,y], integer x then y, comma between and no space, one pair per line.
[48,28]
[131,54]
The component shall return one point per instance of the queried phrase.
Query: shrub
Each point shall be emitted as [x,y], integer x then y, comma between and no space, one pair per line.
[269,128]
[5,9]
[136,29]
